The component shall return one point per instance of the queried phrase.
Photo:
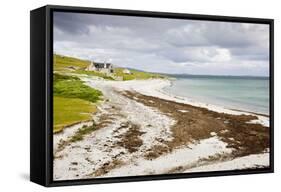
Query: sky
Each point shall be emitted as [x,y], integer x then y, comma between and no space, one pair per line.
[174,46]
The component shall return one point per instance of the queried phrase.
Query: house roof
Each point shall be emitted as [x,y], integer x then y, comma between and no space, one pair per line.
[101,65]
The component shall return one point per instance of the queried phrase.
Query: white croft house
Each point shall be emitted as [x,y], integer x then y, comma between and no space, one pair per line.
[101,67]
[126,71]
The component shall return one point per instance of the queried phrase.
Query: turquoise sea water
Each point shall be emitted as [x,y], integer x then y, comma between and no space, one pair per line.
[243,93]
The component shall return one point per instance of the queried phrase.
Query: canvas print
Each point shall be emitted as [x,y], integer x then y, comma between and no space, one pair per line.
[147,96]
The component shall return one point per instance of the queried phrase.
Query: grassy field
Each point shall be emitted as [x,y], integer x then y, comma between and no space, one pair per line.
[73,101]
[72,87]
[94,73]
[68,111]
[135,74]
[64,63]
[118,73]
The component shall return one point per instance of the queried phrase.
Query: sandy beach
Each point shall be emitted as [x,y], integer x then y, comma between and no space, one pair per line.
[141,130]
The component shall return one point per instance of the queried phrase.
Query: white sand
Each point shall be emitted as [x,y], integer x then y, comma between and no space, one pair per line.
[184,156]
[246,162]
[63,136]
[154,87]
[80,159]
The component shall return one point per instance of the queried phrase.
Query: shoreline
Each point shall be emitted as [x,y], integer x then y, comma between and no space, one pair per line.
[209,100]
[199,123]
[207,103]
[154,87]
[144,130]
[262,118]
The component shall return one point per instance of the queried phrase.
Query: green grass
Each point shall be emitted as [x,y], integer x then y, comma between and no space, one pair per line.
[118,72]
[94,73]
[72,87]
[79,135]
[68,111]
[139,75]
[63,63]
[59,77]
[73,101]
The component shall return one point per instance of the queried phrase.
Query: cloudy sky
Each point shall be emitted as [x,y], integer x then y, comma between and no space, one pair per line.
[165,45]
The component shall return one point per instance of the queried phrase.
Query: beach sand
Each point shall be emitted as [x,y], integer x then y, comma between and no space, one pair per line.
[141,130]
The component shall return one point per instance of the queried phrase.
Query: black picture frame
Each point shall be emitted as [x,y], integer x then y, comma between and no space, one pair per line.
[41,58]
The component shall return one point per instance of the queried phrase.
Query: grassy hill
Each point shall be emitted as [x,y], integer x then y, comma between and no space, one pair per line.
[64,63]
[73,100]
[68,111]
[135,74]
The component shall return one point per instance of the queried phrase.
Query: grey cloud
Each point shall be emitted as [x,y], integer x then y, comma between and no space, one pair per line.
[71,23]
[163,45]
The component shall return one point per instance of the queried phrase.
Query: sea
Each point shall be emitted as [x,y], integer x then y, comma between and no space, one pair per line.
[244,93]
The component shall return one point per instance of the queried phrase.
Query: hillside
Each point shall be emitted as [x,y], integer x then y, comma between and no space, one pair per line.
[64,64]
[75,102]
[135,74]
